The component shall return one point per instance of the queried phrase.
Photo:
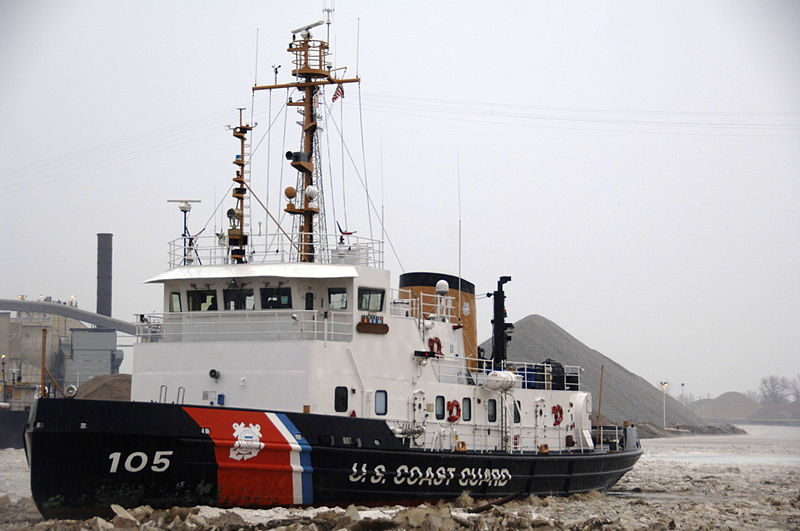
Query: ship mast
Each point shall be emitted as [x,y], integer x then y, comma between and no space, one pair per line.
[237,238]
[311,71]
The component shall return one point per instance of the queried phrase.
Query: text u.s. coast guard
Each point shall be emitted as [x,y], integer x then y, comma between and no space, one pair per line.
[414,475]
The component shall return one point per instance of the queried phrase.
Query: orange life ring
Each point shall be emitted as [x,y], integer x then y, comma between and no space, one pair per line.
[558,415]
[435,345]
[453,410]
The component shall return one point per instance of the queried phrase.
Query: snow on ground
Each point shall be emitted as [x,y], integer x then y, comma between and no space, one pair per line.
[713,482]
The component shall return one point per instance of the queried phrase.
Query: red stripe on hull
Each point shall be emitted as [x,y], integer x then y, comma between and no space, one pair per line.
[252,455]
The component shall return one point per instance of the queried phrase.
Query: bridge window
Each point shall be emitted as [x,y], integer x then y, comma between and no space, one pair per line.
[340,399]
[175,302]
[517,414]
[466,409]
[370,299]
[239,299]
[202,300]
[337,298]
[380,402]
[492,407]
[276,298]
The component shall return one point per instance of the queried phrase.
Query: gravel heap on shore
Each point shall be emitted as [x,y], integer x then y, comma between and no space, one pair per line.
[106,387]
[626,396]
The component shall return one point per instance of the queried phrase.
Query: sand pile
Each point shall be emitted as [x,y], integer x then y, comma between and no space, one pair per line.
[109,387]
[726,406]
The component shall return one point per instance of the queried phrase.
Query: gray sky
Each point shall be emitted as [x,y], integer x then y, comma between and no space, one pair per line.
[633,166]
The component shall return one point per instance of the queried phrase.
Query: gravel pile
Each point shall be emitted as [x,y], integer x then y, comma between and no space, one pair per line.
[106,387]
[731,405]
[626,396]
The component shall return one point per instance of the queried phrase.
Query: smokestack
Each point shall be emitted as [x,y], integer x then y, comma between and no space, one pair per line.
[104,274]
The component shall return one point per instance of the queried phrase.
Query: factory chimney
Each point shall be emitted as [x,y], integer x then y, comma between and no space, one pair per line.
[104,274]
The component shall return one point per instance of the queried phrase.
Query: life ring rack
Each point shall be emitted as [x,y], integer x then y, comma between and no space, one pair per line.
[558,414]
[453,411]
[435,346]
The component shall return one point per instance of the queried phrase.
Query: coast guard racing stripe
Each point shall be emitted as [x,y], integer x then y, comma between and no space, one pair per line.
[262,458]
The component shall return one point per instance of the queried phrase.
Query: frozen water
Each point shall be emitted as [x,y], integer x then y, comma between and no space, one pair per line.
[15,481]
[731,481]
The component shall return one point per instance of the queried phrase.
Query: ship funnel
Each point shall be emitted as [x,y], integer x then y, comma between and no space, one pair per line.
[432,284]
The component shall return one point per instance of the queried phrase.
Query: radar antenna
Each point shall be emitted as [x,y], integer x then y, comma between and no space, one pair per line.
[185,206]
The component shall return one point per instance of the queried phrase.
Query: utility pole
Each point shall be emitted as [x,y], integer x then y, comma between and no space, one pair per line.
[664,404]
[4,378]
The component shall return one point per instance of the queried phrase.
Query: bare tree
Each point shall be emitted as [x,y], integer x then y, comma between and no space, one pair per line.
[753,395]
[794,390]
[774,389]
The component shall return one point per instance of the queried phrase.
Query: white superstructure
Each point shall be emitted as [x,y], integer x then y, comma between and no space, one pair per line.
[336,339]
[311,324]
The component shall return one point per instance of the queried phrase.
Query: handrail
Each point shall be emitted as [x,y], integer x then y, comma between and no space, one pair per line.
[246,325]
[452,369]
[406,303]
[275,248]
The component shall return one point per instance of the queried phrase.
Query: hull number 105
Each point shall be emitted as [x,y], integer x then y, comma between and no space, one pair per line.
[137,461]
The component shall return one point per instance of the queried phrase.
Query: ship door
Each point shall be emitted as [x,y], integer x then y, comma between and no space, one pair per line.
[309,300]
[419,408]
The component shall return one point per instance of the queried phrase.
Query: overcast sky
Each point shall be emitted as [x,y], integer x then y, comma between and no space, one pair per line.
[634,166]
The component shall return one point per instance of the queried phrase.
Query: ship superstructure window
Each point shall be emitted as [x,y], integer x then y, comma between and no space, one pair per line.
[466,409]
[276,298]
[370,299]
[491,404]
[440,407]
[380,402]
[337,298]
[175,302]
[202,300]
[517,414]
[340,399]
[239,299]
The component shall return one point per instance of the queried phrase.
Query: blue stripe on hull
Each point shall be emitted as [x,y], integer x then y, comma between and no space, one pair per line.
[305,459]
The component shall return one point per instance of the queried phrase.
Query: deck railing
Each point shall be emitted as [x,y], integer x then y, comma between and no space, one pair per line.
[271,325]
[529,375]
[405,303]
[276,248]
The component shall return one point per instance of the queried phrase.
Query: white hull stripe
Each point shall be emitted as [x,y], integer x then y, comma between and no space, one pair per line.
[300,458]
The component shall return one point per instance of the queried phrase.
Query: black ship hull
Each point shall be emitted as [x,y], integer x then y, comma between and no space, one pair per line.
[85,455]
[12,427]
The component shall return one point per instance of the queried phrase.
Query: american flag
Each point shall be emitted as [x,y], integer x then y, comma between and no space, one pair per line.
[338,93]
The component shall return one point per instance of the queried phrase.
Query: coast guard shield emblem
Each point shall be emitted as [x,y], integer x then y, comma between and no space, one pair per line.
[248,441]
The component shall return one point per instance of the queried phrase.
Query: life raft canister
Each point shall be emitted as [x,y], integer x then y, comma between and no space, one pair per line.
[558,415]
[435,345]
[453,410]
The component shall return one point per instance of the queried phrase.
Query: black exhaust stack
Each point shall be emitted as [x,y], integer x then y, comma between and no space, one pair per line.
[501,331]
[104,249]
